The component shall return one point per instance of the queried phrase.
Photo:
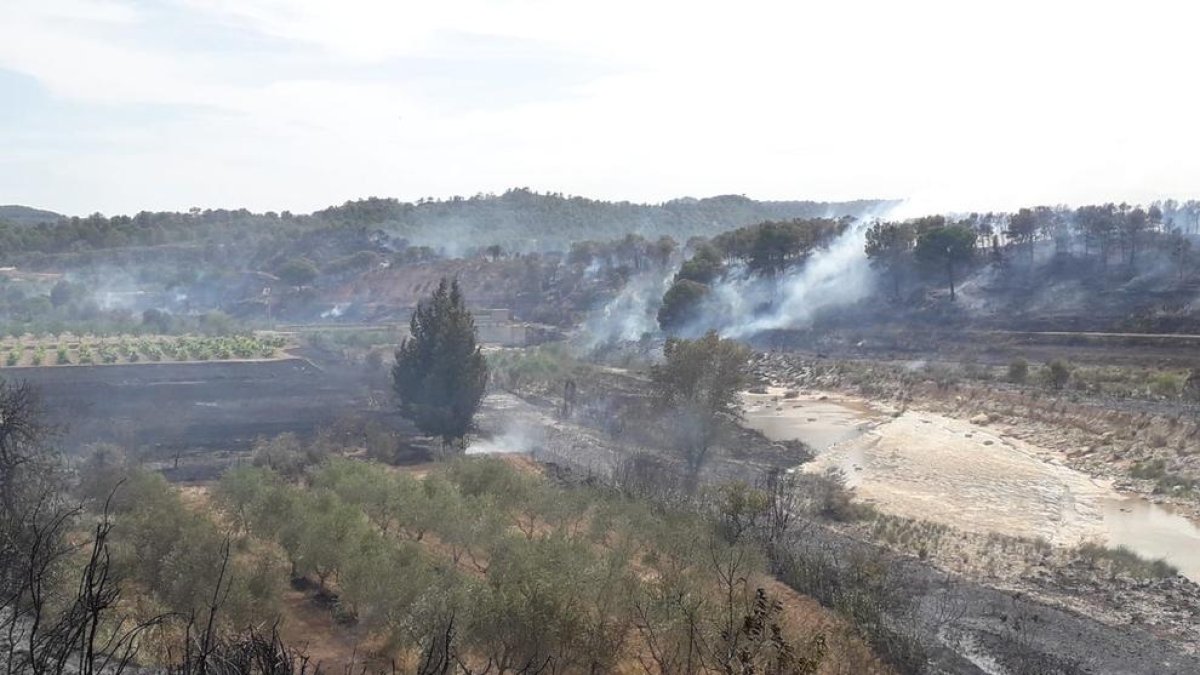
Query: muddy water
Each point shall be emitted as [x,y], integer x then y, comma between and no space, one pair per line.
[1154,532]
[936,468]
[819,423]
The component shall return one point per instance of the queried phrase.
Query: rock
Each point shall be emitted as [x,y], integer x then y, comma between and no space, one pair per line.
[981,418]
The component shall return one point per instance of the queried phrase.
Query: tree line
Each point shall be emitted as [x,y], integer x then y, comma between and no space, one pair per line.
[518,219]
[765,249]
[1112,241]
[1112,237]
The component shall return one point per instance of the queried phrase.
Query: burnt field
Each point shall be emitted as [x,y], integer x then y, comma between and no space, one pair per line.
[996,347]
[169,410]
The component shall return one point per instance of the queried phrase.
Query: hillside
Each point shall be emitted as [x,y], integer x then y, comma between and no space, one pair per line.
[523,219]
[519,220]
[25,215]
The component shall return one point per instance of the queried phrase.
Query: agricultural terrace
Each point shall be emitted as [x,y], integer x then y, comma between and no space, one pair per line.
[86,350]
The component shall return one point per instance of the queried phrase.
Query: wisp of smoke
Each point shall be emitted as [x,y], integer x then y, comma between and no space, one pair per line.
[518,438]
[741,303]
[335,312]
[632,313]
[744,304]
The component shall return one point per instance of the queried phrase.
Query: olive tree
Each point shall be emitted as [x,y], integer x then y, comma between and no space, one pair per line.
[698,388]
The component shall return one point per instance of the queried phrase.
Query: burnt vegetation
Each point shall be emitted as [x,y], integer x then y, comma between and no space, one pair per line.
[336,525]
[1108,267]
[480,566]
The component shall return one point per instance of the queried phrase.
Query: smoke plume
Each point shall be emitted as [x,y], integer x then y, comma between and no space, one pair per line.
[742,304]
[632,313]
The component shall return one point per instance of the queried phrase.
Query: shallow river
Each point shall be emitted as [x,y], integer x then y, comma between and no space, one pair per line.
[836,429]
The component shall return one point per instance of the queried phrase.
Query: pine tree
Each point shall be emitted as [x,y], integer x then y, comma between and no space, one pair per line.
[440,373]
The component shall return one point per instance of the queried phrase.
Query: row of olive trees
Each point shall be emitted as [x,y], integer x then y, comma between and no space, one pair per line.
[505,572]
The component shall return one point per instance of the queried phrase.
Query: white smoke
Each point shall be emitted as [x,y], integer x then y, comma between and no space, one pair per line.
[743,304]
[520,436]
[632,313]
[336,311]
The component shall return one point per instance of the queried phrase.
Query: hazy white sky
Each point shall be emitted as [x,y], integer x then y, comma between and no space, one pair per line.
[124,105]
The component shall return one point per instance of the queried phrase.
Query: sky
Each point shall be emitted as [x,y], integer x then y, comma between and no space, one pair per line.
[119,106]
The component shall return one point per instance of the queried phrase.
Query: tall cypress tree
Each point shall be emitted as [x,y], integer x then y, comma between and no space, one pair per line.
[440,373]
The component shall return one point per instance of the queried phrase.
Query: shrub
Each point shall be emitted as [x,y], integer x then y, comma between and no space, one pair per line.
[1123,561]
[1057,374]
[1150,469]
[1018,371]
[1168,385]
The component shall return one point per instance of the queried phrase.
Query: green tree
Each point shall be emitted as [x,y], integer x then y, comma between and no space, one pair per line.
[286,455]
[698,387]
[888,247]
[775,245]
[946,248]
[362,485]
[1098,224]
[240,490]
[330,530]
[440,373]
[1058,373]
[663,249]
[298,271]
[1023,228]
[1018,371]
[679,304]
[703,267]
[1133,224]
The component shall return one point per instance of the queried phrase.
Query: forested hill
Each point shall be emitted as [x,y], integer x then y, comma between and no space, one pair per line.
[519,220]
[24,215]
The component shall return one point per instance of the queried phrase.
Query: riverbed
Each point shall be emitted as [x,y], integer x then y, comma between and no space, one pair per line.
[969,476]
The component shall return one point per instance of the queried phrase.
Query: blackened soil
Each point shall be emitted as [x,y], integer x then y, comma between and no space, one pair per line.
[163,409]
